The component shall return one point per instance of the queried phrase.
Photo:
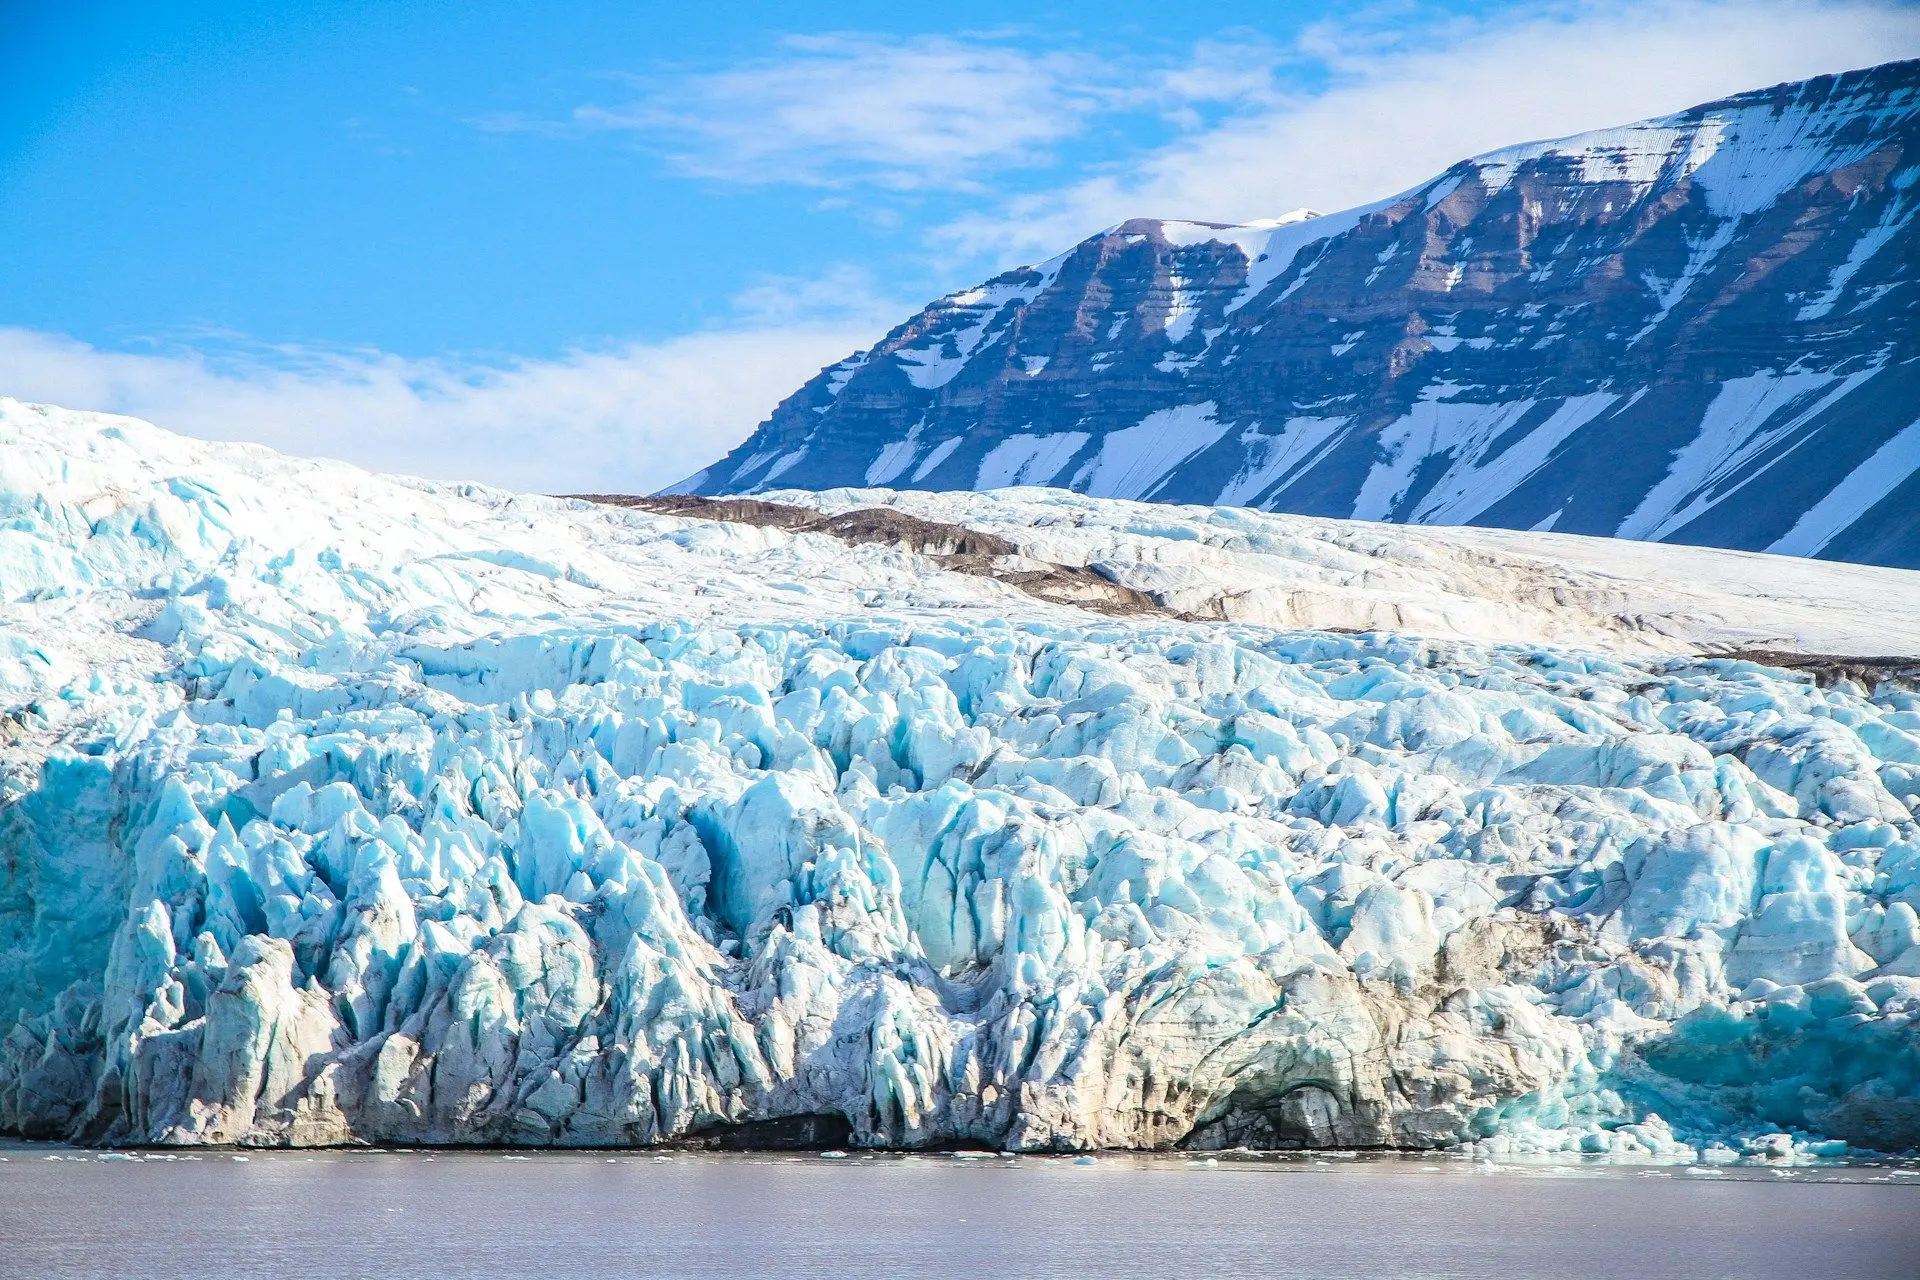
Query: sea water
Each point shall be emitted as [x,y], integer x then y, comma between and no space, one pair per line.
[70,1212]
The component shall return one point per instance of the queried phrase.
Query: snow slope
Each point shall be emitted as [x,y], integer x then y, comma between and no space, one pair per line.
[1695,329]
[1482,584]
[337,807]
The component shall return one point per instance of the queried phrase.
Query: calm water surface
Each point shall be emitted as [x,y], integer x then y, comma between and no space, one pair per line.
[340,1214]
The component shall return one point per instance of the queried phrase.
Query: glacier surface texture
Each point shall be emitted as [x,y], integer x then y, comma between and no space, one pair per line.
[341,808]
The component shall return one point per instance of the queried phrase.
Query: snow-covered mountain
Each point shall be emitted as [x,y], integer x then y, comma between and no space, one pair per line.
[1696,329]
[338,807]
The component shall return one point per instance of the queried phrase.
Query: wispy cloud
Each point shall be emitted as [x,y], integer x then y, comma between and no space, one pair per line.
[1396,103]
[844,295]
[831,110]
[1346,112]
[631,418]
[902,113]
[1351,112]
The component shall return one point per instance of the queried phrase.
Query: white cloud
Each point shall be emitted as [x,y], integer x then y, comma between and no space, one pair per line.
[1399,106]
[906,114]
[630,419]
[842,294]
[1382,110]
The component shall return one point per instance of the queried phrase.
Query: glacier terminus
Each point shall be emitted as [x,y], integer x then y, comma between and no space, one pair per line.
[340,808]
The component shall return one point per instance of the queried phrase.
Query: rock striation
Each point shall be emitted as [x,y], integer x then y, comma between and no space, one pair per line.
[1700,329]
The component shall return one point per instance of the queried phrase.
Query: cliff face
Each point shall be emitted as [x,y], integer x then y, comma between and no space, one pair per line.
[1695,329]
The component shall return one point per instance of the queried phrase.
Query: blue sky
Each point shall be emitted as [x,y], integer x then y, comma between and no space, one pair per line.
[590,245]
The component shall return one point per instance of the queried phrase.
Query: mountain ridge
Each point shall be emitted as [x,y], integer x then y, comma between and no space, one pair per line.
[1695,328]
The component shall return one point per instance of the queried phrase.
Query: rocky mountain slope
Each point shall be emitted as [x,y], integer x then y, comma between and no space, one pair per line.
[340,808]
[1697,329]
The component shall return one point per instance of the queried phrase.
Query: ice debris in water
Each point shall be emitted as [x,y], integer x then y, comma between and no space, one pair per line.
[340,809]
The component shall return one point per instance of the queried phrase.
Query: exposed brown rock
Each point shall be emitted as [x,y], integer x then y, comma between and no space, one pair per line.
[954,547]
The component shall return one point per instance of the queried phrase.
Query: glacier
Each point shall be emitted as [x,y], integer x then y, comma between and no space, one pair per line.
[341,808]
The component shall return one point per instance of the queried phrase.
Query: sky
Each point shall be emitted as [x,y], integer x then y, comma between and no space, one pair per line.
[589,246]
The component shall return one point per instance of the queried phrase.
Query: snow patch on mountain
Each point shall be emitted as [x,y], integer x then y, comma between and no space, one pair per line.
[1864,488]
[940,454]
[1749,418]
[1032,460]
[1131,459]
[1272,459]
[1486,465]
[1694,329]
[891,461]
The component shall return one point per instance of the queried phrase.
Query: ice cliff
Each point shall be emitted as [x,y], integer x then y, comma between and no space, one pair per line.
[339,808]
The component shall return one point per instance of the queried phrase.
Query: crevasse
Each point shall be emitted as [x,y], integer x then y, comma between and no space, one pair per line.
[340,809]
